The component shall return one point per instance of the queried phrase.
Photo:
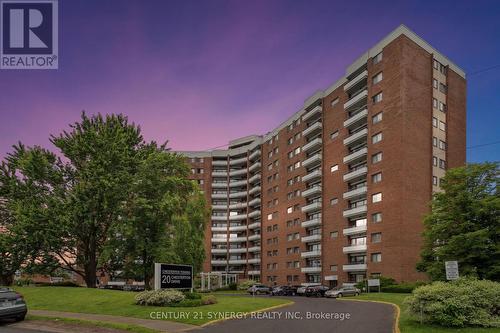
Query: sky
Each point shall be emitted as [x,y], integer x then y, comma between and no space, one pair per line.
[200,73]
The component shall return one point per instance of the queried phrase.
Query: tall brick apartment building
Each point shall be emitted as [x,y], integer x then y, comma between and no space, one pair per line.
[338,191]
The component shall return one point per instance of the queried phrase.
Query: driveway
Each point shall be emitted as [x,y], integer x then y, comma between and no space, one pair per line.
[316,315]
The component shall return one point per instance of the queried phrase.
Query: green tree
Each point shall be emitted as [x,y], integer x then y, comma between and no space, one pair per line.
[464,224]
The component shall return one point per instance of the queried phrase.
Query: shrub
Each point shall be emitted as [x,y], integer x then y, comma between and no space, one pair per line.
[159,297]
[190,295]
[209,300]
[233,286]
[245,284]
[206,300]
[465,302]
[403,287]
[57,284]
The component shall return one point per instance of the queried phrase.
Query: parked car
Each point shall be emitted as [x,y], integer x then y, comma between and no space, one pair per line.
[12,305]
[342,291]
[259,289]
[316,291]
[284,290]
[301,291]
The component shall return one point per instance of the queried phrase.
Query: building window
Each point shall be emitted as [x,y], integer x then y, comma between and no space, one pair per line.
[297,151]
[377,217]
[333,268]
[442,164]
[376,257]
[269,217]
[442,126]
[334,234]
[376,237]
[377,98]
[434,180]
[334,201]
[377,197]
[434,122]
[289,210]
[377,118]
[376,157]
[377,58]
[442,145]
[443,88]
[377,138]
[290,141]
[334,168]
[377,78]
[335,102]
[442,107]
[434,161]
[435,83]
[377,178]
[333,135]
[434,141]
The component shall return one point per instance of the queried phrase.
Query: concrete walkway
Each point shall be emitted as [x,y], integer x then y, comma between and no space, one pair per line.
[159,325]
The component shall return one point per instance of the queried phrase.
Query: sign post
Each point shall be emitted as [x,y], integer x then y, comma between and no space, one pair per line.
[451,270]
[373,283]
[170,276]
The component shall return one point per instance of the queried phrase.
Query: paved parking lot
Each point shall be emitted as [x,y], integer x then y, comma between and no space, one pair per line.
[316,315]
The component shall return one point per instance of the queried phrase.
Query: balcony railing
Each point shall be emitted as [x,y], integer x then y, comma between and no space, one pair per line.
[219,163]
[219,185]
[357,99]
[315,143]
[311,191]
[218,251]
[254,178]
[356,173]
[313,129]
[311,254]
[354,267]
[315,111]
[238,183]
[238,161]
[238,228]
[313,269]
[253,190]
[254,155]
[237,239]
[254,272]
[355,230]
[356,118]
[311,238]
[254,167]
[354,248]
[312,160]
[363,75]
[254,249]
[254,225]
[238,172]
[254,237]
[360,135]
[311,207]
[254,213]
[355,211]
[312,175]
[358,192]
[311,223]
[356,155]
[238,250]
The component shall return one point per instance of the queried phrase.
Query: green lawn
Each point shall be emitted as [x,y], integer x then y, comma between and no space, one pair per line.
[121,303]
[408,325]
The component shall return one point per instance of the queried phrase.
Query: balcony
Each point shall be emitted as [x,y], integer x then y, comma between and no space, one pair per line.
[311,207]
[360,135]
[219,185]
[238,172]
[219,240]
[313,269]
[254,167]
[354,267]
[355,211]
[312,175]
[219,229]
[356,100]
[355,230]
[356,155]
[218,251]
[238,161]
[238,250]
[219,174]
[254,202]
[311,238]
[314,112]
[356,118]
[222,262]
[311,223]
[238,183]
[237,261]
[238,228]
[362,76]
[219,195]
[354,248]
[219,207]
[254,155]
[358,192]
[313,160]
[254,225]
[255,213]
[316,189]
[253,190]
[313,129]
[356,173]
[239,205]
[219,217]
[254,261]
[254,237]
[313,144]
[237,217]
[219,163]
[254,249]
[311,254]
[239,194]
[253,272]
[254,178]
[237,239]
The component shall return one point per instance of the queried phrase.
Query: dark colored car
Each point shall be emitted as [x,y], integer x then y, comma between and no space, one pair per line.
[316,291]
[284,290]
[12,305]
[259,289]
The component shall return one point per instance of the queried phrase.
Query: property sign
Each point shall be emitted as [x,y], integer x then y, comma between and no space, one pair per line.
[451,270]
[373,282]
[170,276]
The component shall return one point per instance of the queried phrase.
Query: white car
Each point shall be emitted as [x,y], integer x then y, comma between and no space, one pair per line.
[301,291]
[342,291]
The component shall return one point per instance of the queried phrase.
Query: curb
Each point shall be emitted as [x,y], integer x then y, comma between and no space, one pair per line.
[248,313]
[397,314]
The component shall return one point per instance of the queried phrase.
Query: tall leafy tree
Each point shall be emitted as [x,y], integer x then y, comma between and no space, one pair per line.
[464,224]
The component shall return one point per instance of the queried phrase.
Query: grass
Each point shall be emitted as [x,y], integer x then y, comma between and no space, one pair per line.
[410,325]
[121,303]
[95,323]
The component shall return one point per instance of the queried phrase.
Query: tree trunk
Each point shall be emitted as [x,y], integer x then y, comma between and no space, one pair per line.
[91,271]
[6,279]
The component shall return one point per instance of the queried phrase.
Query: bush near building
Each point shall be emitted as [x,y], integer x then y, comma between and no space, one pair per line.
[245,284]
[173,298]
[465,302]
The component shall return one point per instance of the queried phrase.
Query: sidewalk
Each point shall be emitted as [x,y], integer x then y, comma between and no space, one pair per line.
[159,325]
